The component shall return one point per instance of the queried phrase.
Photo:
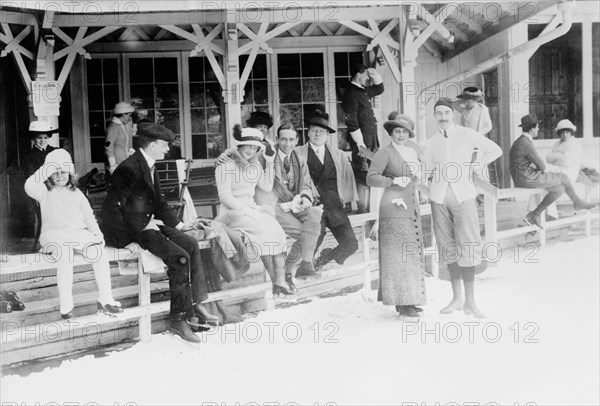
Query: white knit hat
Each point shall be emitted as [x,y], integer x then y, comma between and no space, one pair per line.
[59,159]
[565,125]
[122,108]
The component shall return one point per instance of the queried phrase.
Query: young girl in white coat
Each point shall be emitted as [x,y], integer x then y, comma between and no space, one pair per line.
[68,224]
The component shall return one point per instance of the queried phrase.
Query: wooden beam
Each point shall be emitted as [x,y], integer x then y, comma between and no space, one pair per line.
[79,46]
[523,13]
[64,73]
[433,47]
[459,34]
[464,16]
[252,57]
[183,45]
[160,34]
[341,30]
[206,45]
[23,72]
[48,20]
[125,34]
[13,44]
[430,19]
[202,43]
[358,28]
[141,33]
[309,30]
[326,30]
[216,16]
[383,37]
[262,39]
[18,18]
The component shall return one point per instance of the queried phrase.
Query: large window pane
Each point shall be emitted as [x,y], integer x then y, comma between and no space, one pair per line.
[206,112]
[103,93]
[301,88]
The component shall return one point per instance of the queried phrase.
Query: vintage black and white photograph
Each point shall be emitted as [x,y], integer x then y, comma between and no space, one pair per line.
[286,203]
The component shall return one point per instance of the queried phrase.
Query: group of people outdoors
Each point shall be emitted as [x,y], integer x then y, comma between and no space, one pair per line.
[272,189]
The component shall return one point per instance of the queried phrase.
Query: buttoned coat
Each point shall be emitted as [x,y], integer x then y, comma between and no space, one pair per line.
[346,183]
[527,167]
[131,201]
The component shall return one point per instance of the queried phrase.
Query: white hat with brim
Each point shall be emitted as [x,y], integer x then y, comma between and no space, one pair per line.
[251,136]
[42,127]
[122,108]
[59,159]
[565,125]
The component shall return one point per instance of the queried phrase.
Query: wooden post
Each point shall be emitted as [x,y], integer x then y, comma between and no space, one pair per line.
[145,324]
[232,93]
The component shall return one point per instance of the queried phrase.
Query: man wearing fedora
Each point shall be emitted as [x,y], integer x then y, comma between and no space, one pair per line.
[135,212]
[529,170]
[451,165]
[476,115]
[119,135]
[334,185]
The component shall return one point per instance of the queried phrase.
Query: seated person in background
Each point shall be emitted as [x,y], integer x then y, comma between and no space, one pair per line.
[528,170]
[236,181]
[293,200]
[135,212]
[567,153]
[119,135]
[333,178]
[69,224]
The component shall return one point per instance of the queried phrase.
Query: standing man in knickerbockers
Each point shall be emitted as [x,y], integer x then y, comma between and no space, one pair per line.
[449,161]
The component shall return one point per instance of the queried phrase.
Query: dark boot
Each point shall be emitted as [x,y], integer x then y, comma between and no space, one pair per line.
[180,326]
[307,270]
[457,302]
[290,281]
[204,315]
[325,256]
[534,217]
[267,261]
[407,311]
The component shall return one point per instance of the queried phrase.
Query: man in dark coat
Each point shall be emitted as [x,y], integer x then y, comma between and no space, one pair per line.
[135,211]
[334,183]
[360,118]
[527,169]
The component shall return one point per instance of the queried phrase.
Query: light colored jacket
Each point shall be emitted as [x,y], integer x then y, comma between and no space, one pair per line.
[449,161]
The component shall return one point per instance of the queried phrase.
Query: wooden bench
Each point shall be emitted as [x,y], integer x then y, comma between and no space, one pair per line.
[493,235]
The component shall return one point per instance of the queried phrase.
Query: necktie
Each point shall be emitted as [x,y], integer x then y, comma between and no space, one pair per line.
[152,173]
[286,164]
[445,134]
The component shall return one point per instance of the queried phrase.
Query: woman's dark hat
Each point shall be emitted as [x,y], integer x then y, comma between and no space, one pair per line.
[321,120]
[528,120]
[357,68]
[155,131]
[402,121]
[259,118]
[471,93]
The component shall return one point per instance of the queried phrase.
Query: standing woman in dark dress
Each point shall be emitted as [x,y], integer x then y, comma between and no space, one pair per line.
[401,257]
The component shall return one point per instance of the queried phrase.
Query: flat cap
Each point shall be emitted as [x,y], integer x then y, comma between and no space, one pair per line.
[155,131]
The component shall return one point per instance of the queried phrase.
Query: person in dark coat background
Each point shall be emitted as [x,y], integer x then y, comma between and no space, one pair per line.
[135,211]
[40,132]
[360,118]
[527,169]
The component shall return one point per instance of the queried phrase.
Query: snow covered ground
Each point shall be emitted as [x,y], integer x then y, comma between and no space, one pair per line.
[538,346]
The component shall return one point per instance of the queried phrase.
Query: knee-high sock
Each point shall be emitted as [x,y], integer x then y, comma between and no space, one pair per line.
[64,276]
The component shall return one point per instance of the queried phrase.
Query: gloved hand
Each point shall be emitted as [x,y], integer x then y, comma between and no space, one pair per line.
[401,181]
[269,150]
